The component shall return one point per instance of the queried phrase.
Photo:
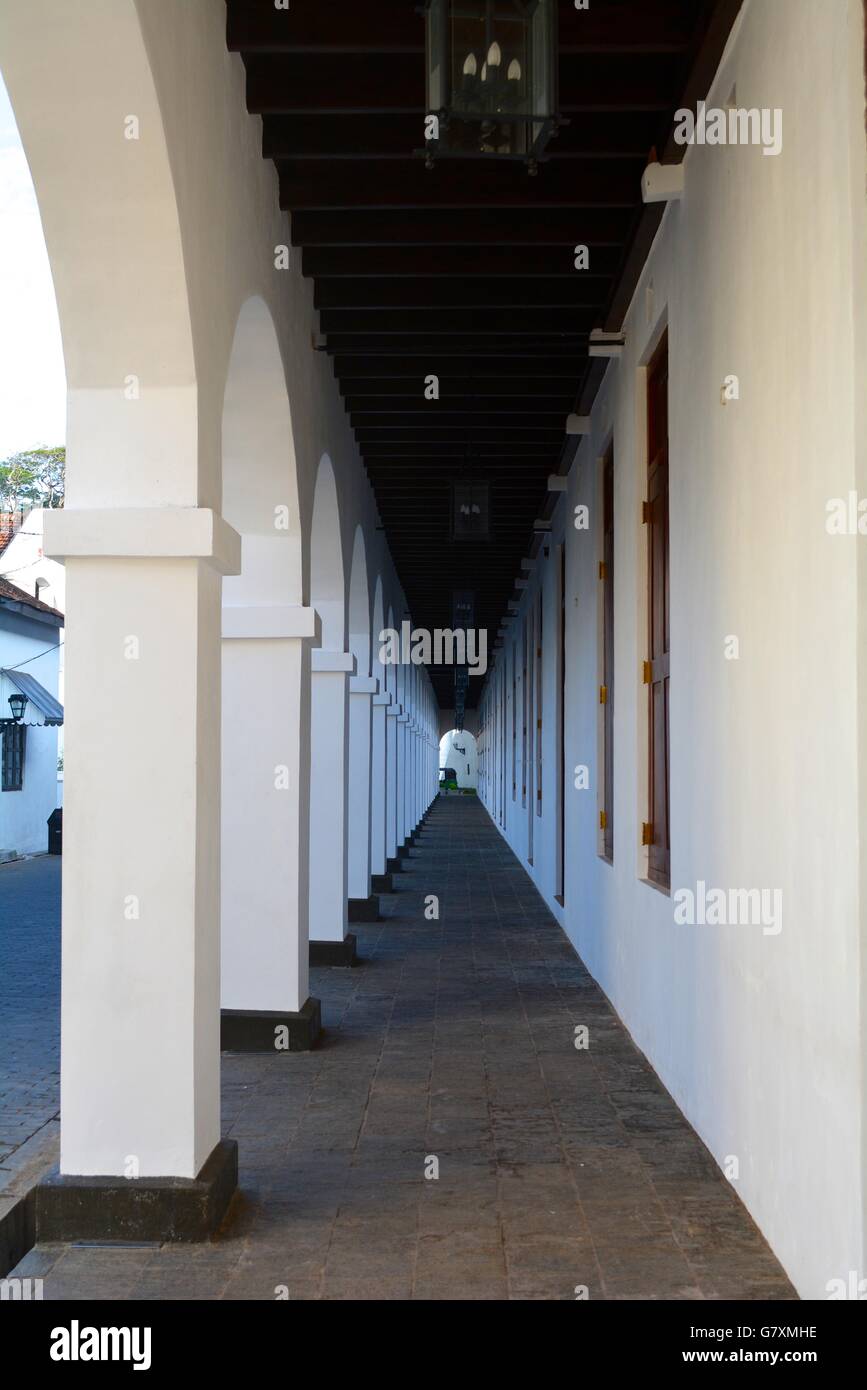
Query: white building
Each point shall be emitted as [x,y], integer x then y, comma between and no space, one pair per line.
[257,486]
[29,667]
[24,563]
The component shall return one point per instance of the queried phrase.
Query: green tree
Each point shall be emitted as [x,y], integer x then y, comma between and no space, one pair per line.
[32,478]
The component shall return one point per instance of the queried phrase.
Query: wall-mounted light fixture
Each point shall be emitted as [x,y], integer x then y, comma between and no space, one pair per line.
[17,704]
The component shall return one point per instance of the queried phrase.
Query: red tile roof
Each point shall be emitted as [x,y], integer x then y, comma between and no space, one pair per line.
[13,594]
[9,524]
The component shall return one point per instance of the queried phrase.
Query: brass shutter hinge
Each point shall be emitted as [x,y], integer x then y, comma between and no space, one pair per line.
[603,821]
[603,694]
[646,833]
[603,570]
[645,513]
[538,723]
[646,672]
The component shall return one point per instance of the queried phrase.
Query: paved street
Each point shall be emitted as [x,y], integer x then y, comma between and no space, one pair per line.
[29,1000]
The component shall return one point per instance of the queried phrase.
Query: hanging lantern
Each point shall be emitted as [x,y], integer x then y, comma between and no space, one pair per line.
[17,704]
[491,78]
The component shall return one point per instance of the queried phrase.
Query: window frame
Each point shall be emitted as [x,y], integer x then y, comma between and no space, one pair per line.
[606,580]
[14,753]
[656,830]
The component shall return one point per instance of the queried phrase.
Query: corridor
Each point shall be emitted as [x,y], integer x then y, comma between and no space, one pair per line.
[432,418]
[559,1169]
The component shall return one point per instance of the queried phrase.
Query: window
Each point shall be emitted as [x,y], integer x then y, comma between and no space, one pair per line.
[561,731]
[656,834]
[514,721]
[539,705]
[14,743]
[524,697]
[606,575]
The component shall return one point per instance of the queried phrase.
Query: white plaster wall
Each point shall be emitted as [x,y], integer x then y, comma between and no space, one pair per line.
[759,272]
[24,814]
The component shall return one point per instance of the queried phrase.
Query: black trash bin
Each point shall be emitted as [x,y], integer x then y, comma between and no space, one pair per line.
[55,831]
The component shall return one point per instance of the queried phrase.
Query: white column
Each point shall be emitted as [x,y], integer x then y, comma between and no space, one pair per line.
[140,1018]
[379,785]
[402,742]
[265,835]
[362,690]
[407,776]
[392,713]
[329,720]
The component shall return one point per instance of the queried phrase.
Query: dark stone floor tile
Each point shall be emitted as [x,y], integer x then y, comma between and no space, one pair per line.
[560,1170]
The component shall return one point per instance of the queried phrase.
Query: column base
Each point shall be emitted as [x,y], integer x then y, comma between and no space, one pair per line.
[334,952]
[381,883]
[17,1232]
[138,1209]
[395,865]
[256,1030]
[364,909]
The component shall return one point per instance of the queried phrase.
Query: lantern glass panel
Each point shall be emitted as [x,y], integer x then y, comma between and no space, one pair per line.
[437,91]
[490,71]
[491,75]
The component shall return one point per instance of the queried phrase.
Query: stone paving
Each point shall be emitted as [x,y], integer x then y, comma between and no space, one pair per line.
[29,1001]
[558,1169]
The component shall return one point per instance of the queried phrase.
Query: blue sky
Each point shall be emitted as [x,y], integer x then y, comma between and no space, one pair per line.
[32,377]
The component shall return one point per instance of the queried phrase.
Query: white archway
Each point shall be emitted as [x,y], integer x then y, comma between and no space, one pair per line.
[327,583]
[459,753]
[329,731]
[392,741]
[362,688]
[379,749]
[359,606]
[265,708]
[144,552]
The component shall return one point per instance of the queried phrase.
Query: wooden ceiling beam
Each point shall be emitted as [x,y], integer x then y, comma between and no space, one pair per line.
[549,425]
[478,227]
[459,404]
[460,292]
[338,84]
[319,185]
[431,322]
[361,389]
[466,435]
[472,371]
[556,263]
[395,453]
[397,26]
[524,346]
[466,271]
[395,136]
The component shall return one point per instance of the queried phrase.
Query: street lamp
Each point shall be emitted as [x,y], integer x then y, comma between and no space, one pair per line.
[17,704]
[491,78]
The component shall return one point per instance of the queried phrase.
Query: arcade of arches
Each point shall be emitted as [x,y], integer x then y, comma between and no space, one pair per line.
[666,847]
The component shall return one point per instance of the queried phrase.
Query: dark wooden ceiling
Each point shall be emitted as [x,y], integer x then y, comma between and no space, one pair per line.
[466,271]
